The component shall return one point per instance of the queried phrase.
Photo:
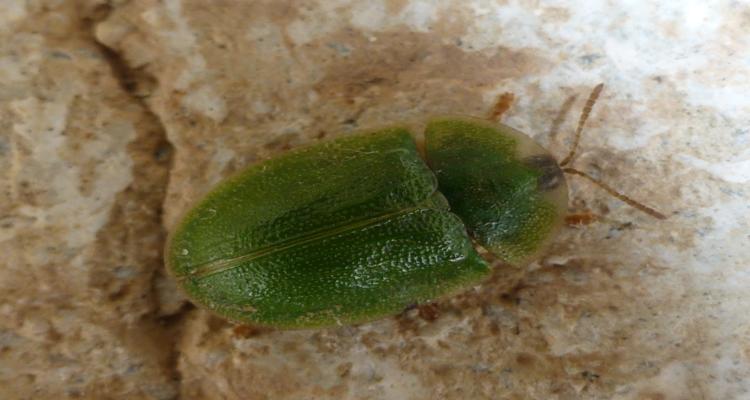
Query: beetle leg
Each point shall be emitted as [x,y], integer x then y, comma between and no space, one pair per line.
[428,312]
[581,219]
[503,104]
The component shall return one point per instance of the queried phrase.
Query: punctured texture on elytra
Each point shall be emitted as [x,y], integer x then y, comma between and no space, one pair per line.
[339,232]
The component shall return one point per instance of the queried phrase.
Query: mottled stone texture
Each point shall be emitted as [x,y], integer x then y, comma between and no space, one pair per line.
[84,167]
[627,307]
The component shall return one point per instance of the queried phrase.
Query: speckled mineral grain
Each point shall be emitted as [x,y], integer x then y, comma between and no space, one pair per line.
[628,307]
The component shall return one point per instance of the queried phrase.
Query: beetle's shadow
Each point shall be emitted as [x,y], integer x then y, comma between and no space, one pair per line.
[560,117]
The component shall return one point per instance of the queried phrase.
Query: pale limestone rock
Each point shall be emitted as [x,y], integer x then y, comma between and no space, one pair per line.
[80,232]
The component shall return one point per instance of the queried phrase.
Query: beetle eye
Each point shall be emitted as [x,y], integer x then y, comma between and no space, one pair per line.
[551,174]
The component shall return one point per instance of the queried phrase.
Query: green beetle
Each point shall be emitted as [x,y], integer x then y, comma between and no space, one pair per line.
[358,228]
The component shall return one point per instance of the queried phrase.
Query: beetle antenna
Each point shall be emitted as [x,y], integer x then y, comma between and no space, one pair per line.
[582,121]
[503,103]
[568,170]
[644,208]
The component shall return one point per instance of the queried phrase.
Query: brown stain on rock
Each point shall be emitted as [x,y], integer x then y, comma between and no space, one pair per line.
[395,6]
[409,63]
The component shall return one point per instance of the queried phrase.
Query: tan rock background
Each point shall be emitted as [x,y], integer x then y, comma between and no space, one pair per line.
[115,116]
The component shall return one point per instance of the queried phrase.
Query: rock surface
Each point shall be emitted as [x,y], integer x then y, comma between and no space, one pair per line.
[84,168]
[627,307]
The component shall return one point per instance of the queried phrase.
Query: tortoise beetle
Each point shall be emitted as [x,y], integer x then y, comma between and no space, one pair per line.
[358,228]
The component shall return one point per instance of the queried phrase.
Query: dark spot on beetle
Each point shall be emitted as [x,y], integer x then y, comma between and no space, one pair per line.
[551,176]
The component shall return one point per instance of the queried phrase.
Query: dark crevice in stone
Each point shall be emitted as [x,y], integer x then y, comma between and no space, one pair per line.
[152,154]
[135,82]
